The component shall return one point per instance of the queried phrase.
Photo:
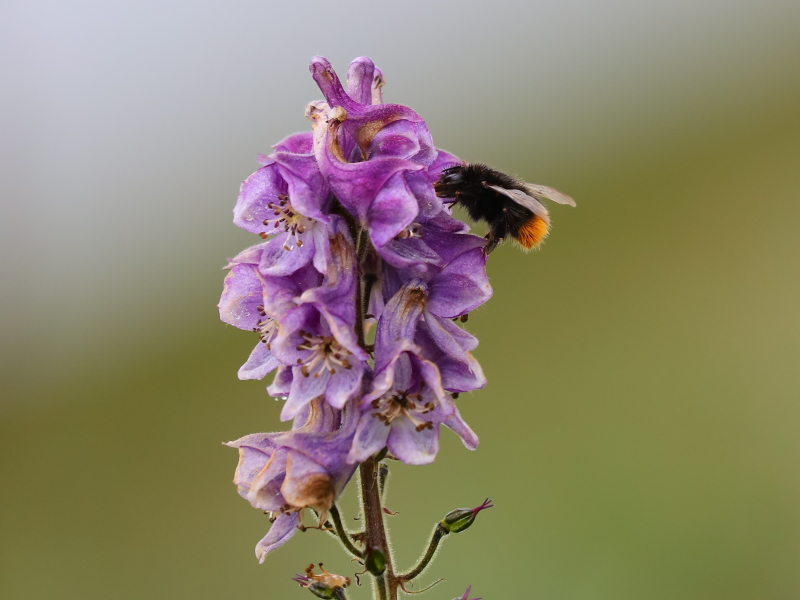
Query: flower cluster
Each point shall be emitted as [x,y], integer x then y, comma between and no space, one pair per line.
[355,243]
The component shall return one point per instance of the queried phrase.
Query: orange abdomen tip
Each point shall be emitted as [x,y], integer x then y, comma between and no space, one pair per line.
[532,233]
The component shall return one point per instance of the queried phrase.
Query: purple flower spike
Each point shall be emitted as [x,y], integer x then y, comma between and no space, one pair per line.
[354,241]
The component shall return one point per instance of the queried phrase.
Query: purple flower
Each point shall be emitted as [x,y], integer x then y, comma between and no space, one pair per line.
[429,241]
[287,199]
[444,294]
[404,410]
[242,305]
[368,153]
[407,401]
[286,472]
[317,337]
[256,302]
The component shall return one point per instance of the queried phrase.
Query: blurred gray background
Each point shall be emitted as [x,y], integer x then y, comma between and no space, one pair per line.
[639,430]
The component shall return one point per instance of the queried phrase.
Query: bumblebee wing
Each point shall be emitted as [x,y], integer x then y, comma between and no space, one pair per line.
[548,193]
[523,199]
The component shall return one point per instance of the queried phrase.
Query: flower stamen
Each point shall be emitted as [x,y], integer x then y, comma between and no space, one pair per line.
[266,328]
[286,219]
[327,355]
[396,404]
[413,231]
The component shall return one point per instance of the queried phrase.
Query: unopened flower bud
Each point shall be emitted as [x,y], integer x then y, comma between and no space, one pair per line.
[320,590]
[326,585]
[375,561]
[460,519]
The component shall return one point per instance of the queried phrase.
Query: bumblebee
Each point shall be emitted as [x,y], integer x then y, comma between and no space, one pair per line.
[510,207]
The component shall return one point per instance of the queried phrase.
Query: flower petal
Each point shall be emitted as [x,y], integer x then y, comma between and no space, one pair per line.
[411,446]
[360,75]
[399,320]
[307,190]
[371,437]
[264,492]
[258,190]
[260,363]
[297,143]
[282,256]
[282,529]
[282,384]
[408,253]
[241,296]
[461,286]
[307,483]
[459,426]
[344,384]
[393,209]
[449,337]
[304,390]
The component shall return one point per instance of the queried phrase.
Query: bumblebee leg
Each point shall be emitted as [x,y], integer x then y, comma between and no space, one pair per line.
[492,241]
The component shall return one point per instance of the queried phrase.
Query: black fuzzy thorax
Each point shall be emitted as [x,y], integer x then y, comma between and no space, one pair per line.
[468,186]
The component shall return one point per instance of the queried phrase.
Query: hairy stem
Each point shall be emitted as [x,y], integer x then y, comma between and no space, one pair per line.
[437,536]
[383,475]
[375,529]
[341,531]
[339,594]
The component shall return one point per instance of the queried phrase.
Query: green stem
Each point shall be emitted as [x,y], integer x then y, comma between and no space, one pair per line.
[341,531]
[437,536]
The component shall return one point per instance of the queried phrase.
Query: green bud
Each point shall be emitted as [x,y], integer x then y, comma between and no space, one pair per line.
[460,519]
[320,590]
[375,561]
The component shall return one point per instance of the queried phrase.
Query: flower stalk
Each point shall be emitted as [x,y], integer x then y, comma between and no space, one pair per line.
[355,240]
[342,533]
[438,533]
[386,584]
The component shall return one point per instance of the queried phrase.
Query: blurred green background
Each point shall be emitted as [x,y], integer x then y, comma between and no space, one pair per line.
[639,433]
